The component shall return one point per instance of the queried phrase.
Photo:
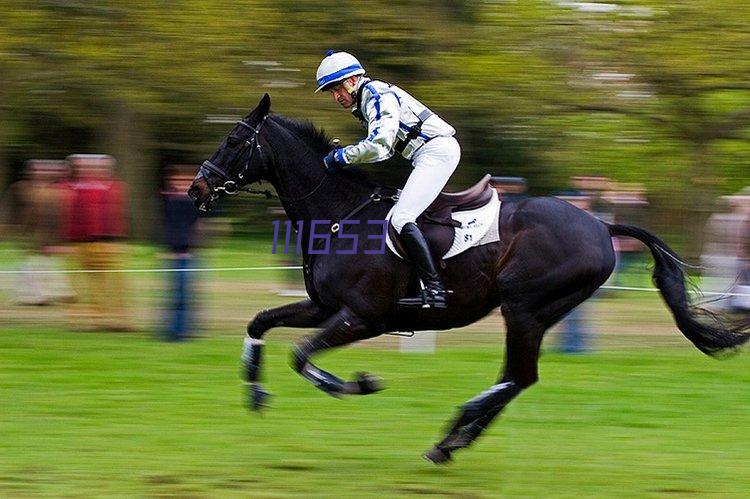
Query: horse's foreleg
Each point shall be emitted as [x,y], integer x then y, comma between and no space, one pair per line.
[341,329]
[303,313]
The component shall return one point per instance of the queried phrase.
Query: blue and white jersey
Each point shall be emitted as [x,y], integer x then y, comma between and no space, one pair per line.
[389,113]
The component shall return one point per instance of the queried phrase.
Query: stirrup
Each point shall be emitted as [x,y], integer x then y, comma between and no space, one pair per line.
[427,298]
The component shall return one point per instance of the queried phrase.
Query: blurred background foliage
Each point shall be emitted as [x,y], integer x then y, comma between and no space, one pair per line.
[641,91]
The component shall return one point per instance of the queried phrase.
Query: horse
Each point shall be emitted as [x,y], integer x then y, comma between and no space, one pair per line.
[550,257]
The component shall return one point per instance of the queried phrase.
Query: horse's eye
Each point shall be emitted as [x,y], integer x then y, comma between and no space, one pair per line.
[232,141]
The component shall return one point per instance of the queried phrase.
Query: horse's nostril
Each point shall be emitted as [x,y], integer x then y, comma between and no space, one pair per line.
[193,193]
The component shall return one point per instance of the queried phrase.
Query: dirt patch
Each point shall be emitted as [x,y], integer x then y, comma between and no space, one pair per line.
[163,480]
[677,491]
[292,467]
[424,491]
[237,483]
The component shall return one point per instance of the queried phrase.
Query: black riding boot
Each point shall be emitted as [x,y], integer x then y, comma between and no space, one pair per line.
[433,294]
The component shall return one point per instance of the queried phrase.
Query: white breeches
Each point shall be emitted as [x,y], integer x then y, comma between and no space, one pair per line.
[433,163]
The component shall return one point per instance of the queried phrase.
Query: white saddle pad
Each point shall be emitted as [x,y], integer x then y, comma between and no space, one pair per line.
[478,227]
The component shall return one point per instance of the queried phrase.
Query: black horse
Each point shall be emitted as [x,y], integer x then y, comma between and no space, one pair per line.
[550,257]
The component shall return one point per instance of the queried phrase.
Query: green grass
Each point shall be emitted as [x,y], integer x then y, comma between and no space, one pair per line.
[115,414]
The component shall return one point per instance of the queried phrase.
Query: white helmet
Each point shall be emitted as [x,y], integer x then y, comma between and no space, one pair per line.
[337,66]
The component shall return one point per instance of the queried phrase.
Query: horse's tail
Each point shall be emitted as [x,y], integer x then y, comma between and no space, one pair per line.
[706,330]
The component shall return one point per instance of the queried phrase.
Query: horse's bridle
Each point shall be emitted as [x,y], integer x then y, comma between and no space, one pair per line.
[230,187]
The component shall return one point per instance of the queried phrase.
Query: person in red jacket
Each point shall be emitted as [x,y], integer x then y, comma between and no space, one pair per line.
[95,222]
[38,200]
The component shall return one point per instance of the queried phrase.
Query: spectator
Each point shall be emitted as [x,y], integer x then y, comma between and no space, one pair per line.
[509,188]
[95,222]
[575,336]
[594,186]
[726,253]
[629,204]
[180,234]
[741,302]
[39,197]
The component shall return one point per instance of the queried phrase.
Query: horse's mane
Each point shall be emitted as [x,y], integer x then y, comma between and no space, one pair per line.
[320,142]
[305,130]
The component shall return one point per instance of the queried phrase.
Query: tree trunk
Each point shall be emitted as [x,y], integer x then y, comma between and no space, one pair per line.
[700,198]
[4,173]
[126,137]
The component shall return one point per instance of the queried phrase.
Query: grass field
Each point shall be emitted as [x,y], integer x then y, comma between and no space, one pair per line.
[97,414]
[93,414]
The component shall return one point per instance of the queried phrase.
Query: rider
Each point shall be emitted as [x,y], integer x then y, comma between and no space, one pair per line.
[396,122]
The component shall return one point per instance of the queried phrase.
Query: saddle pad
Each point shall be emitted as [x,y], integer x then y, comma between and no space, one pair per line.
[478,227]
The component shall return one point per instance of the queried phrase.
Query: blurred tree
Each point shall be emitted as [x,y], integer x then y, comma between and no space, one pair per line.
[637,92]
[675,75]
[640,91]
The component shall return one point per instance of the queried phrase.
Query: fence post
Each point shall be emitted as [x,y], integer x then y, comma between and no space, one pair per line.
[421,342]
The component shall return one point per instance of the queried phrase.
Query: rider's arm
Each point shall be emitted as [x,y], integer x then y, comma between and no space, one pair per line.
[382,112]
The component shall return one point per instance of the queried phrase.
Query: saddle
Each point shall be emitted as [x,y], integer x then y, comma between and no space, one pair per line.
[437,223]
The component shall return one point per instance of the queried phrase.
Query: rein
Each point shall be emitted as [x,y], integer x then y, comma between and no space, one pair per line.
[320,184]
[380,194]
[231,188]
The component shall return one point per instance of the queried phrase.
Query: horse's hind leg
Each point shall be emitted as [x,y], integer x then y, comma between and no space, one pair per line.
[342,328]
[523,340]
[527,319]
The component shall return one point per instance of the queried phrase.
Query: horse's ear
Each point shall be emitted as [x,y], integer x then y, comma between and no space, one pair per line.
[264,106]
[262,109]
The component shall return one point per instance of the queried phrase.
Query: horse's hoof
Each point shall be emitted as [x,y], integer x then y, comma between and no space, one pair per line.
[437,456]
[258,397]
[365,384]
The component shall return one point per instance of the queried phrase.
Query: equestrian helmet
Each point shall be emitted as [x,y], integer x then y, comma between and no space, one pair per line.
[336,67]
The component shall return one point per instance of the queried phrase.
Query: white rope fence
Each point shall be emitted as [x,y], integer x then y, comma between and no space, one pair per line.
[654,290]
[286,267]
[147,271]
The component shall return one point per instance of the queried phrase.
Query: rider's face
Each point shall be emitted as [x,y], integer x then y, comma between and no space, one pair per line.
[341,95]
